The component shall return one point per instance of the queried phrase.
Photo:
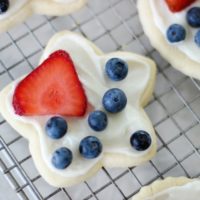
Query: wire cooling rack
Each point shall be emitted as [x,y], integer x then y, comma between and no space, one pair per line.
[174,108]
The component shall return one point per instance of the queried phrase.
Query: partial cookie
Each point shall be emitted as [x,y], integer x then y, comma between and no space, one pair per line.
[170,189]
[173,29]
[82,109]
[13,12]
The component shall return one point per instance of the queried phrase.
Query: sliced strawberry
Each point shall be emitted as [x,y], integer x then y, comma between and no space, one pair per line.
[178,5]
[53,88]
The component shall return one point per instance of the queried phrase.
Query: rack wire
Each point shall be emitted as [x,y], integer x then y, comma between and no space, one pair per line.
[174,108]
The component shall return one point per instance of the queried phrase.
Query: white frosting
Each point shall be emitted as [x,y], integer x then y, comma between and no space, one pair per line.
[15,5]
[163,18]
[116,137]
[190,191]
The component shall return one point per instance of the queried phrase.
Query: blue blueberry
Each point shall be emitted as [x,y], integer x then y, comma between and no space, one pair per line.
[193,17]
[4,5]
[62,158]
[114,100]
[176,33]
[140,140]
[197,38]
[90,147]
[56,127]
[116,69]
[98,120]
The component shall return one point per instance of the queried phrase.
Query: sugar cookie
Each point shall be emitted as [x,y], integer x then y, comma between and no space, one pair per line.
[13,12]
[82,109]
[172,27]
[170,189]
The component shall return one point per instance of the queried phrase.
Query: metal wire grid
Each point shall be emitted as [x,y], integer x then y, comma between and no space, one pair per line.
[174,109]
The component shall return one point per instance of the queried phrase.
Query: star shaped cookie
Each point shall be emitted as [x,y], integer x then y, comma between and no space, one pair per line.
[81,109]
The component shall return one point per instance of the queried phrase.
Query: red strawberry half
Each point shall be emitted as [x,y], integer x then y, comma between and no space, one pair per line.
[178,5]
[52,88]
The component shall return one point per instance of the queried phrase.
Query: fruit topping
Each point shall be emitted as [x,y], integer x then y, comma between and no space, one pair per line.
[98,120]
[53,88]
[90,147]
[197,38]
[178,5]
[56,127]
[62,158]
[4,5]
[116,69]
[114,100]
[176,33]
[140,140]
[193,17]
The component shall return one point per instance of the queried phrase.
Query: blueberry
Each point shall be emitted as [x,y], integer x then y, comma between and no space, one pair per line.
[193,17]
[4,5]
[140,140]
[56,127]
[62,158]
[114,100]
[116,69]
[90,147]
[98,120]
[176,33]
[197,38]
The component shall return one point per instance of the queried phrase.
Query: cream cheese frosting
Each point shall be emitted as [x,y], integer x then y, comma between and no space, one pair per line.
[116,137]
[189,191]
[14,6]
[163,18]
